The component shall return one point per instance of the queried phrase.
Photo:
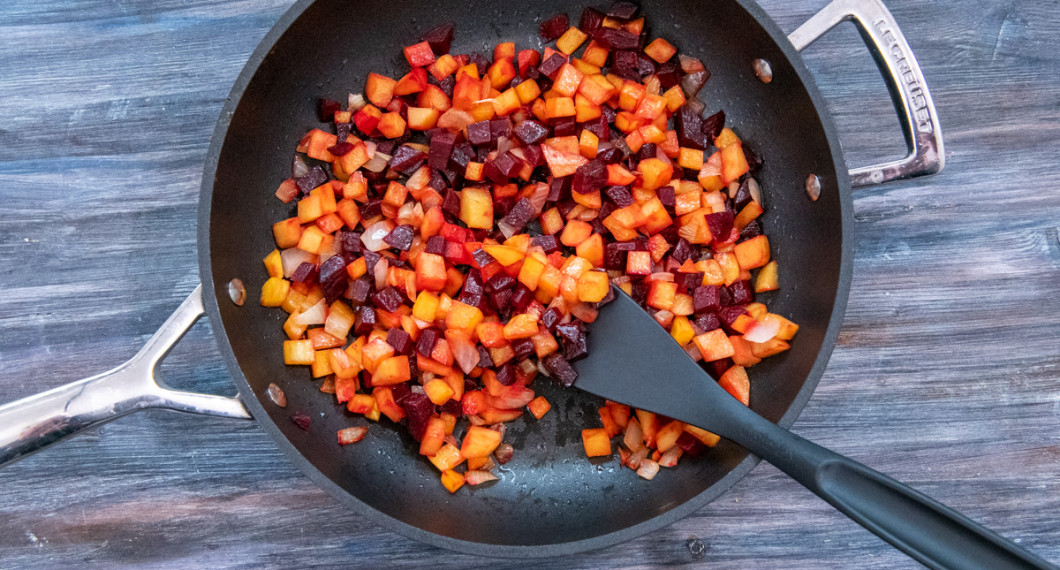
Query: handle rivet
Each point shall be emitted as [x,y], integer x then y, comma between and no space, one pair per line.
[813,187]
[237,292]
[763,70]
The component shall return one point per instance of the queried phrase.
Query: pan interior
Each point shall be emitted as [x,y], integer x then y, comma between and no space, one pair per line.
[550,499]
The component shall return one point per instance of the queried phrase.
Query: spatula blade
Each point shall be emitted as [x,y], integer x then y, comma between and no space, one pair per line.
[633,360]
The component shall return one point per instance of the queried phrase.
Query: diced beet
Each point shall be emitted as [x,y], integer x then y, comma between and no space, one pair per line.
[751,230]
[682,251]
[754,161]
[358,290]
[365,320]
[478,133]
[666,196]
[669,74]
[453,407]
[479,60]
[389,299]
[591,20]
[625,64]
[400,391]
[706,299]
[610,156]
[565,206]
[615,254]
[560,369]
[462,154]
[506,375]
[725,297]
[624,11]
[350,241]
[599,127]
[640,243]
[564,126]
[523,348]
[386,146]
[301,420]
[550,318]
[401,237]
[435,245]
[554,27]
[342,131]
[639,292]
[418,410]
[441,149]
[500,300]
[520,214]
[720,224]
[620,195]
[440,178]
[548,243]
[372,208]
[484,359]
[615,39]
[482,258]
[340,149]
[610,296]
[494,169]
[718,367]
[521,297]
[689,127]
[473,284]
[743,195]
[708,322]
[645,65]
[589,177]
[315,177]
[550,67]
[439,38]
[451,203]
[575,341]
[689,281]
[728,315]
[534,155]
[327,108]
[499,282]
[447,85]
[690,444]
[558,188]
[305,272]
[428,338]
[530,132]
[647,150]
[400,340]
[501,127]
[742,292]
[333,277]
[713,125]
[370,259]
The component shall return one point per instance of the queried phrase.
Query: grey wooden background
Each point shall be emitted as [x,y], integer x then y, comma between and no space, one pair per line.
[946,375]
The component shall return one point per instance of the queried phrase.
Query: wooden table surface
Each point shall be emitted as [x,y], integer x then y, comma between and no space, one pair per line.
[946,374]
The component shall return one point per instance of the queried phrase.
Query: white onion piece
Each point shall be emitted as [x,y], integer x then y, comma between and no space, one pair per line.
[355,102]
[634,436]
[755,190]
[369,148]
[291,258]
[380,274]
[693,351]
[373,235]
[507,229]
[669,459]
[298,167]
[315,315]
[479,476]
[538,197]
[378,162]
[504,144]
[648,469]
[334,248]
[662,276]
[635,460]
[762,331]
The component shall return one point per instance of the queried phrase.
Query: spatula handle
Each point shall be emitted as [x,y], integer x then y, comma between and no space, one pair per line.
[923,528]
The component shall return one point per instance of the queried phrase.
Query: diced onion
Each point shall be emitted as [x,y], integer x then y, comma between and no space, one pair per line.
[314,315]
[298,167]
[373,235]
[479,476]
[291,258]
[380,274]
[355,102]
[648,469]
[762,331]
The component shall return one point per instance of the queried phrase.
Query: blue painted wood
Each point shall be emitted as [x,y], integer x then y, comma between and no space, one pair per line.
[946,376]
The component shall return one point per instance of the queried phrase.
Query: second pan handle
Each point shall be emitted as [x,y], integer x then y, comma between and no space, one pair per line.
[905,80]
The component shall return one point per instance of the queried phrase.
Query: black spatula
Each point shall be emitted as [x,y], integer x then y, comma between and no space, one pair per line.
[634,361]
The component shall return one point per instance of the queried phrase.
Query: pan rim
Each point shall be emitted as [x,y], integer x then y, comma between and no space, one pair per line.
[212,293]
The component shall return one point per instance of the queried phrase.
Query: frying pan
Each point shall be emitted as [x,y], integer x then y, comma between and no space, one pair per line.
[551,500]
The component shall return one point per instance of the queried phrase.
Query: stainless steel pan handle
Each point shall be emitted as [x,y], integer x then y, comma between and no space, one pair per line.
[35,422]
[912,100]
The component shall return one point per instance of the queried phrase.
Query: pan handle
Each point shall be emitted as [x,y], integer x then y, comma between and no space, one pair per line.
[35,422]
[912,100]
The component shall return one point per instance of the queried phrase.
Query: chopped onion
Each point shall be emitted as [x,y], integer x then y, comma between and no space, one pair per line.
[373,235]
[380,274]
[504,144]
[315,315]
[507,229]
[648,469]
[637,457]
[762,331]
[669,459]
[352,434]
[479,476]
[664,318]
[291,258]
[503,453]
[298,167]
[634,437]
[584,312]
[378,162]
[755,190]
[355,102]
[237,292]
[693,351]
[662,276]
[276,395]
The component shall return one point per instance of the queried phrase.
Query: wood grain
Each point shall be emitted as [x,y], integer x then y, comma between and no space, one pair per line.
[946,375]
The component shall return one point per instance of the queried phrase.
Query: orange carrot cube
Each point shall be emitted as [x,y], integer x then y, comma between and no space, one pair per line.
[479,442]
[596,442]
[736,382]
[539,406]
[714,345]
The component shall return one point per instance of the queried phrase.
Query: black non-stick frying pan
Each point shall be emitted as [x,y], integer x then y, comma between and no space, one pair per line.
[550,500]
